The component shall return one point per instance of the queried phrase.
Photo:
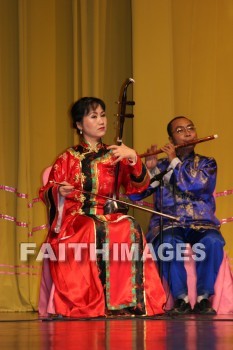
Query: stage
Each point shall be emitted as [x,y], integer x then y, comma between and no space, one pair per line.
[29,331]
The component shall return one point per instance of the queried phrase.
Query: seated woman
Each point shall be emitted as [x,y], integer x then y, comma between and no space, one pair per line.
[103,270]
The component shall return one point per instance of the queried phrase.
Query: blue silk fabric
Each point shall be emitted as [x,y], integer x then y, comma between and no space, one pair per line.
[187,194]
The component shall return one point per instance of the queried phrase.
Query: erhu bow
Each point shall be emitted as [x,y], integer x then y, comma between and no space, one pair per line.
[119,201]
[113,206]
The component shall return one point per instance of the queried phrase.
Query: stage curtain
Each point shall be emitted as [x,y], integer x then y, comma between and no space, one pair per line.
[52,53]
[182,64]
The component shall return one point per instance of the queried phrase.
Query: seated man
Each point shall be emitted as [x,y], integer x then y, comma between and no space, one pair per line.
[188,190]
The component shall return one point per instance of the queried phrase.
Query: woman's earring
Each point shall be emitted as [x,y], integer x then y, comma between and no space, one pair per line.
[80,131]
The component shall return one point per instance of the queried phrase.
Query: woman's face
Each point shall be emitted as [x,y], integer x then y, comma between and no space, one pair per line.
[93,125]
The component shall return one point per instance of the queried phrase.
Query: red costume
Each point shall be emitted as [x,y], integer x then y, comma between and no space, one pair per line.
[87,284]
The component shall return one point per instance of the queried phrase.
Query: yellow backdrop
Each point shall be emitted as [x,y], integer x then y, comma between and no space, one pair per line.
[182,65]
[54,51]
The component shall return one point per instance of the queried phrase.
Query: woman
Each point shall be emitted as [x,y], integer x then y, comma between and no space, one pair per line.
[87,282]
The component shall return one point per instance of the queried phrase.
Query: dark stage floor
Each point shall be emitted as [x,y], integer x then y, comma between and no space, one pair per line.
[28,331]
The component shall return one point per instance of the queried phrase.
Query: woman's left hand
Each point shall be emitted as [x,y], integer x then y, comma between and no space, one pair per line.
[122,151]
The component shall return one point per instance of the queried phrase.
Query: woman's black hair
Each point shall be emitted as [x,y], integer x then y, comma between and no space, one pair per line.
[82,107]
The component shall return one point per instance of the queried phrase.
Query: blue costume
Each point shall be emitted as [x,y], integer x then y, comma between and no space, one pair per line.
[188,194]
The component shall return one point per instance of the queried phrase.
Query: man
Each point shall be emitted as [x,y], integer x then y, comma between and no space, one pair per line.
[187,193]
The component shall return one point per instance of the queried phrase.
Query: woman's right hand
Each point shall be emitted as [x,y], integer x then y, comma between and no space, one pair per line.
[151,161]
[65,188]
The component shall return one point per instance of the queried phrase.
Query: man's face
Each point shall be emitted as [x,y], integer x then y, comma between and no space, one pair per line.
[183,131]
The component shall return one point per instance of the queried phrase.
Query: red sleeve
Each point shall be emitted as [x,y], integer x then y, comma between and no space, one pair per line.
[135,178]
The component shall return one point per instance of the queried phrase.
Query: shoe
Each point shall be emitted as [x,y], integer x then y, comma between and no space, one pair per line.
[121,312]
[204,308]
[56,316]
[180,308]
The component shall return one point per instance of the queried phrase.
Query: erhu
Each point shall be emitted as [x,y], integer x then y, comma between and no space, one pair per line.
[113,206]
